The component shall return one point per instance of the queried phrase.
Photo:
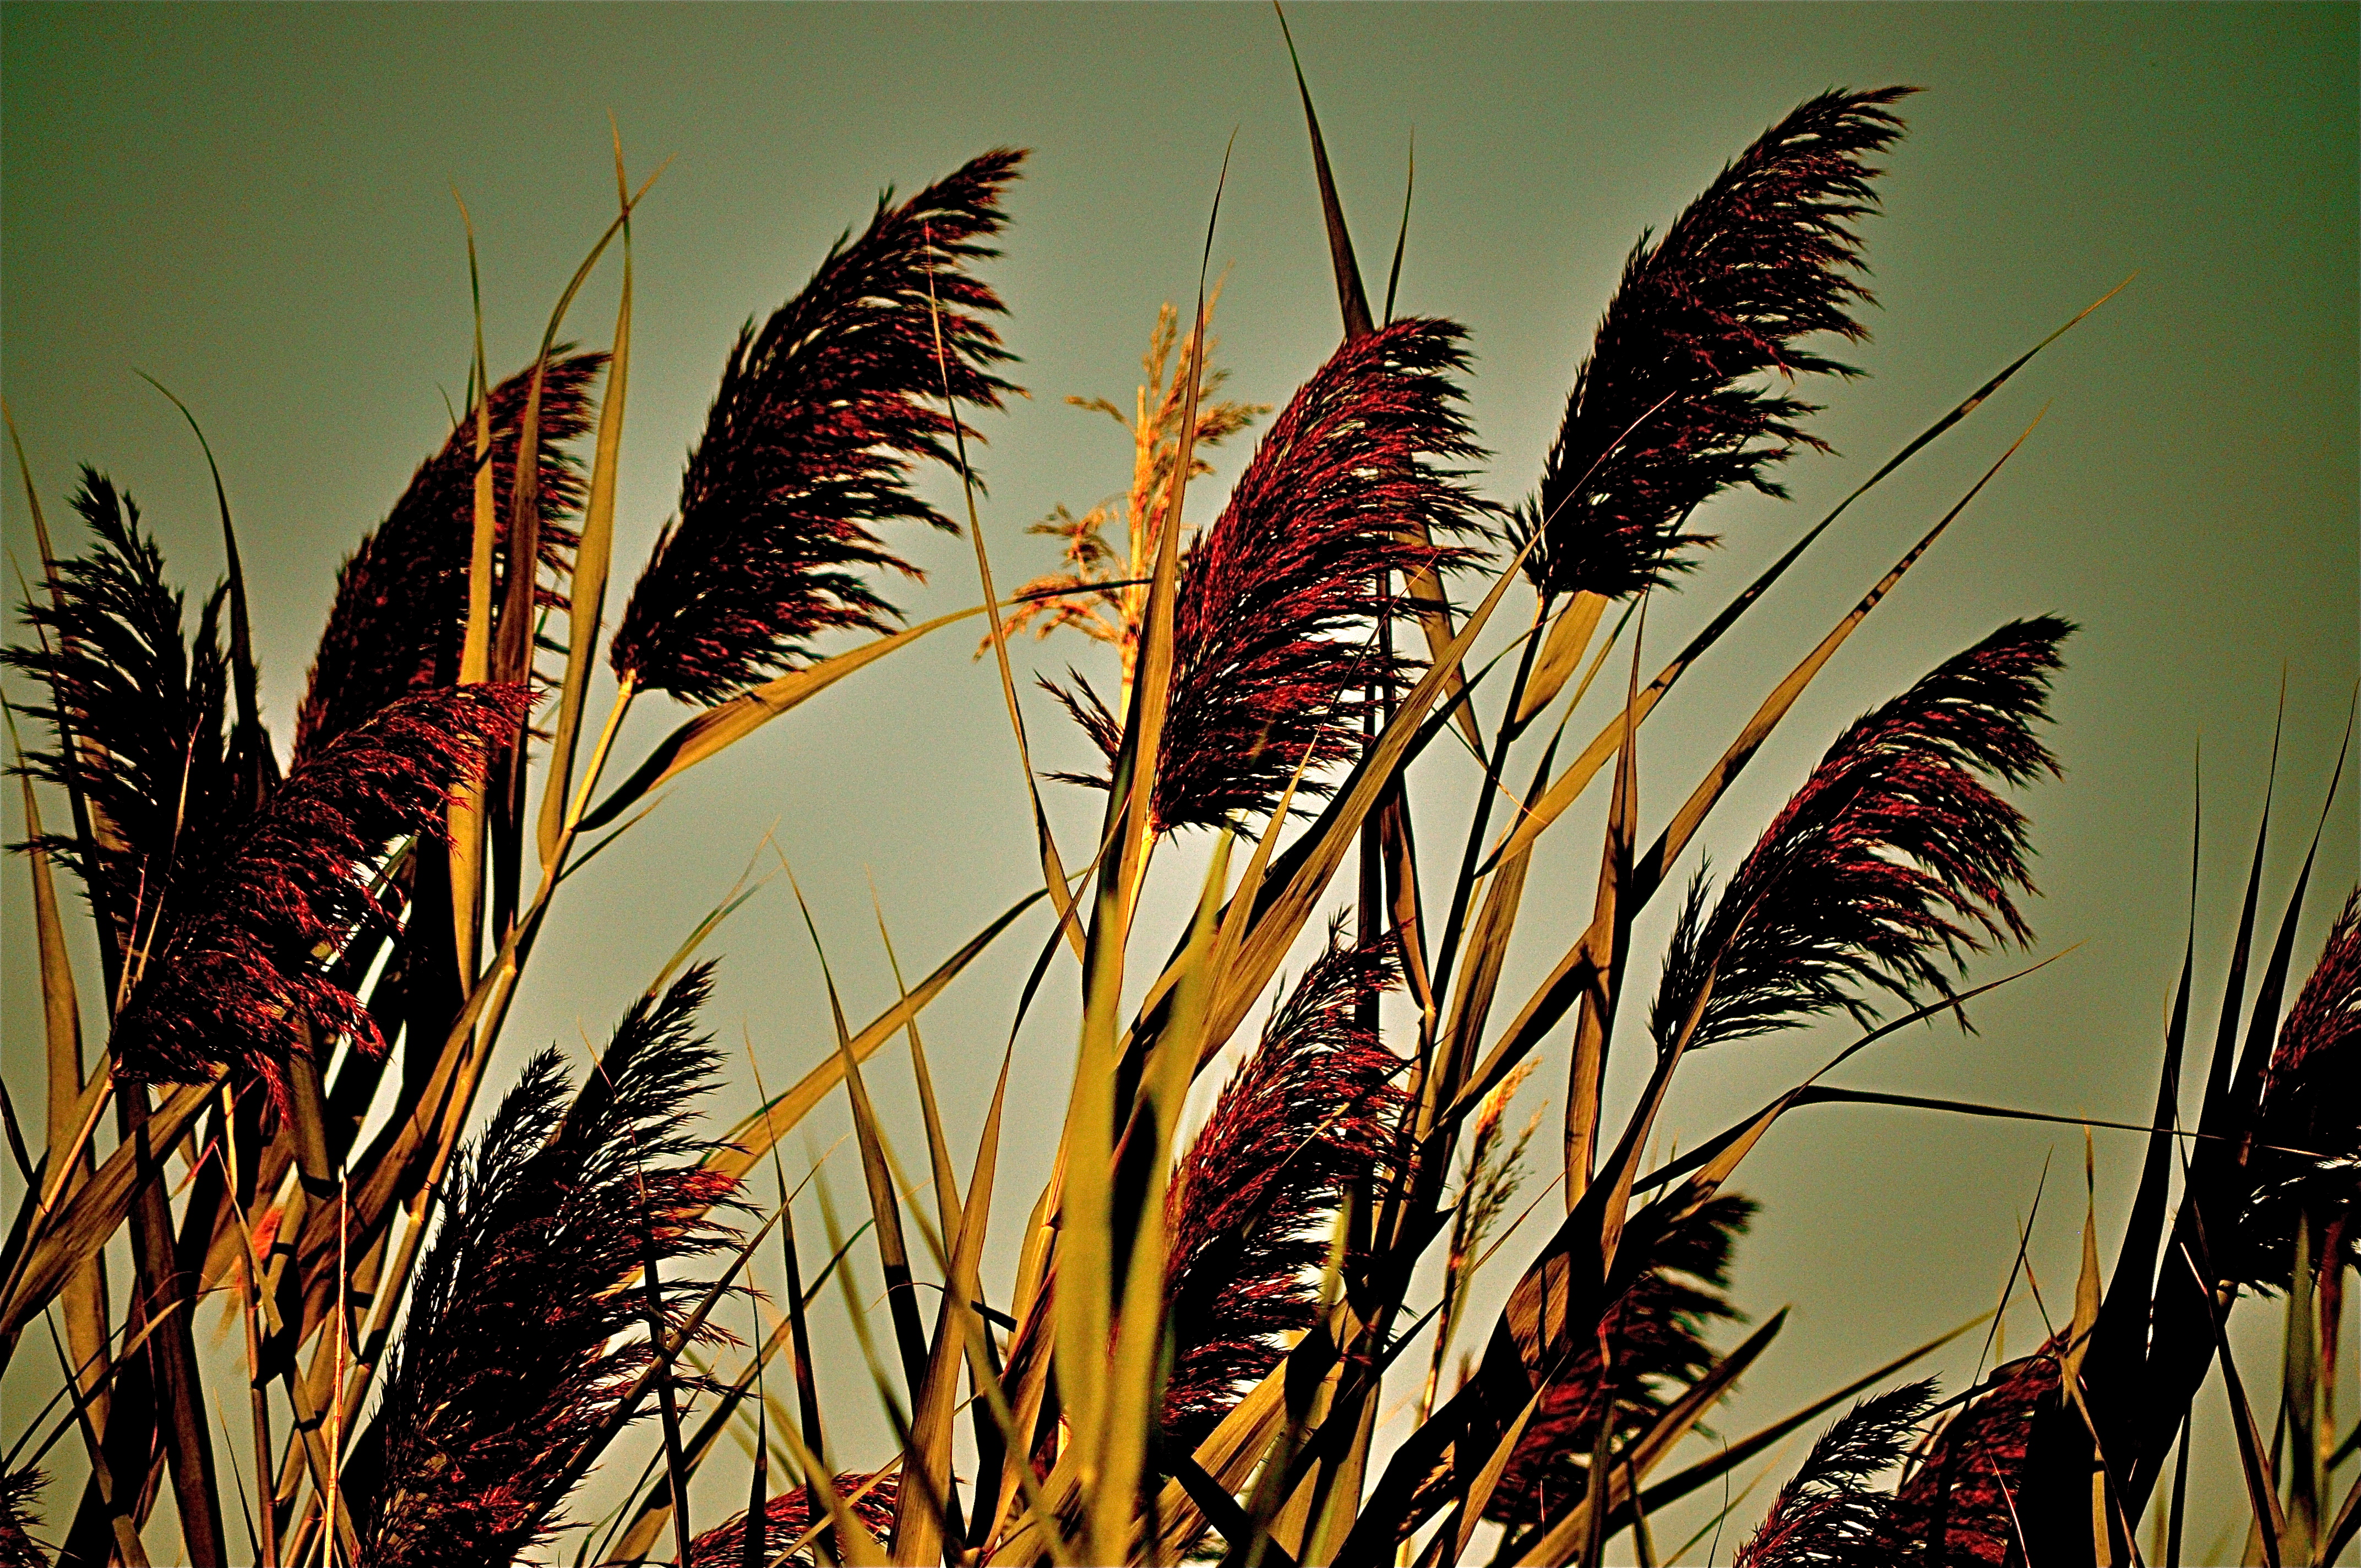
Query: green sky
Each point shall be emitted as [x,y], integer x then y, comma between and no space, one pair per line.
[254,205]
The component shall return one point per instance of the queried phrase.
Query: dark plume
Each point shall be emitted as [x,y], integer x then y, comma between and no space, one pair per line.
[1666,413]
[243,974]
[1829,1515]
[20,1491]
[144,703]
[789,1515]
[1274,657]
[1893,855]
[821,416]
[1956,1509]
[520,1343]
[1654,1340]
[2307,1153]
[401,600]
[1310,1114]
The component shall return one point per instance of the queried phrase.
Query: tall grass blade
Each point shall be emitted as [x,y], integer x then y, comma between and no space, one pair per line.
[586,592]
[466,827]
[938,1153]
[1775,706]
[1351,301]
[755,1133]
[84,1292]
[893,1251]
[74,1232]
[716,727]
[257,769]
[918,1528]
[2119,1342]
[2262,1495]
[1645,1453]
[1730,1455]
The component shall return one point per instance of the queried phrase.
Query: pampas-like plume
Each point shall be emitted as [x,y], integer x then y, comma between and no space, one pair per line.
[2307,1153]
[1310,1113]
[1957,1507]
[1655,1347]
[1271,662]
[396,624]
[520,1341]
[1829,1515]
[146,706]
[1893,851]
[242,976]
[1662,417]
[1104,590]
[811,441]
[789,1515]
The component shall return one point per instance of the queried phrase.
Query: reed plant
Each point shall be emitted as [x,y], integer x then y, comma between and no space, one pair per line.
[443,1321]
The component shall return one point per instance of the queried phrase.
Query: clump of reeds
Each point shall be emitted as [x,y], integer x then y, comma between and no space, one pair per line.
[444,1334]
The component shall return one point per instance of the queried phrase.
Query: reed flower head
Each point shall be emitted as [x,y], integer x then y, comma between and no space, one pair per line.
[240,975]
[20,1491]
[1894,853]
[2307,1154]
[520,1343]
[145,705]
[1274,655]
[789,1514]
[820,417]
[1665,412]
[1654,1344]
[1309,1115]
[1828,1515]
[1956,1507]
[395,625]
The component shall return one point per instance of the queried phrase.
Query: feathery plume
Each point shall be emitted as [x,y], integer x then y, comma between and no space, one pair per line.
[146,706]
[811,441]
[1276,599]
[1659,419]
[1828,1515]
[1310,1113]
[520,1341]
[789,1514]
[402,598]
[1102,593]
[19,1492]
[243,975]
[1892,849]
[2307,1151]
[1957,1507]
[1655,1339]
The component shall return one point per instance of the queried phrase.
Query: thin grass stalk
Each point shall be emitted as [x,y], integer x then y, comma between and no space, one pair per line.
[305,1442]
[125,1533]
[1612,911]
[179,1415]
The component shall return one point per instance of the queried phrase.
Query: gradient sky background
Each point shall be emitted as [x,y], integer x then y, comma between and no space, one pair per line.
[254,205]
